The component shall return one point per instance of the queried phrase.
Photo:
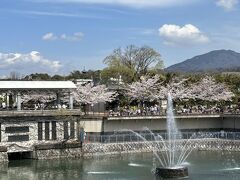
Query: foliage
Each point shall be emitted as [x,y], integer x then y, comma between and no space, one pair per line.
[38,96]
[210,90]
[38,77]
[143,90]
[115,70]
[90,74]
[134,60]
[88,94]
[57,77]
[206,89]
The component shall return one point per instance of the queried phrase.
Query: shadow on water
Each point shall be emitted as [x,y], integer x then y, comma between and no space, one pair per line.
[20,155]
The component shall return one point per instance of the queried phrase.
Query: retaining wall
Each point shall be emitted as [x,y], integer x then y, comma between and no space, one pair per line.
[184,122]
[97,149]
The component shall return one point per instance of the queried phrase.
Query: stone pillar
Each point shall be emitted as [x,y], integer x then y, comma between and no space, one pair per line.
[58,100]
[70,100]
[7,100]
[19,101]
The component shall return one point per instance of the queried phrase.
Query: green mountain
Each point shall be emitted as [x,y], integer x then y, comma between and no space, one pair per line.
[218,60]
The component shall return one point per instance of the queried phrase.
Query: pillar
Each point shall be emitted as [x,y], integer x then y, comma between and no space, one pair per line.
[58,100]
[7,100]
[19,101]
[70,100]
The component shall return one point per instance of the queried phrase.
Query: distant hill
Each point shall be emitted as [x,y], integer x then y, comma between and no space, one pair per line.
[218,60]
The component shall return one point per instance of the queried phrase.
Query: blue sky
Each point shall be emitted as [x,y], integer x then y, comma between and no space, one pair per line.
[57,36]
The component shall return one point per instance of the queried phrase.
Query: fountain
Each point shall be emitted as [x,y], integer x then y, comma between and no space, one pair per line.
[175,151]
[171,151]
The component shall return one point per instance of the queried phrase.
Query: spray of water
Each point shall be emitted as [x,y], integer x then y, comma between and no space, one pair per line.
[174,150]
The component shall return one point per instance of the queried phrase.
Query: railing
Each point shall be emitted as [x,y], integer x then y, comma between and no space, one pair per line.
[51,112]
[131,137]
[149,113]
[41,112]
[103,114]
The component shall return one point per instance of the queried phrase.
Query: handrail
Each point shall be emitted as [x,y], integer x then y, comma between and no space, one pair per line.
[104,114]
[130,137]
[53,112]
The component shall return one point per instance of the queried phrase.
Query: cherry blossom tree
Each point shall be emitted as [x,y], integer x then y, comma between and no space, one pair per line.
[38,96]
[208,89]
[176,87]
[150,89]
[143,90]
[89,94]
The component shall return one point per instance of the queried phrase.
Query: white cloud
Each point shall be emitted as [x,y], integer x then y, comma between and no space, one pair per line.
[27,62]
[188,34]
[227,4]
[131,3]
[49,37]
[149,31]
[60,14]
[74,37]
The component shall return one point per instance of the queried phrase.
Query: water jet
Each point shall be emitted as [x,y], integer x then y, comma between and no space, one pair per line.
[174,156]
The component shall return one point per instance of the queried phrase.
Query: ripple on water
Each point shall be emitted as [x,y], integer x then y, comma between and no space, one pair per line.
[231,169]
[185,164]
[102,172]
[137,165]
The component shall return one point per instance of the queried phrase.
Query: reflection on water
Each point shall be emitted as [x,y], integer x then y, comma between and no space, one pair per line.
[202,165]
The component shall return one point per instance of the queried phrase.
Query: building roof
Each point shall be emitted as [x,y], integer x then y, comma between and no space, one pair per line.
[37,85]
[82,81]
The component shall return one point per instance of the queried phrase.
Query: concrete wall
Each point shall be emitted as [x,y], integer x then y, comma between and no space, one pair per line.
[231,122]
[205,122]
[92,125]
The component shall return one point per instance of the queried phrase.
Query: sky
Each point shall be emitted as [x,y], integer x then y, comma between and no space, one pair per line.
[59,36]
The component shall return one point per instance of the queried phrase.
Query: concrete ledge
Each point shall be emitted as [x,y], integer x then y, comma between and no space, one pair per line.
[42,113]
[190,116]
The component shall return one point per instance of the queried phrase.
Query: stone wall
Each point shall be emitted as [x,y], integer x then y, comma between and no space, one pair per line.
[59,150]
[98,149]
[3,154]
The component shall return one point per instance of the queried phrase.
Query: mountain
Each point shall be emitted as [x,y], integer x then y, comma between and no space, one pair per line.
[218,60]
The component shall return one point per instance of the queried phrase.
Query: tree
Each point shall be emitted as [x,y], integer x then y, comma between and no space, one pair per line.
[38,96]
[208,89]
[144,90]
[89,94]
[176,87]
[136,59]
[57,77]
[115,70]
[90,74]
[38,77]
[159,65]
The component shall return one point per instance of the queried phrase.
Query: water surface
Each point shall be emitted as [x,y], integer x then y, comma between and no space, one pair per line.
[202,165]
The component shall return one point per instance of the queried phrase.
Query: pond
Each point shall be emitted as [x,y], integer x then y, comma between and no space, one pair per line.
[202,165]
